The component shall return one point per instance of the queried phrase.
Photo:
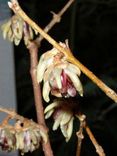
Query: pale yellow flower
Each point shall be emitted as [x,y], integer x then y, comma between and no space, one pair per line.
[15,29]
[62,118]
[59,76]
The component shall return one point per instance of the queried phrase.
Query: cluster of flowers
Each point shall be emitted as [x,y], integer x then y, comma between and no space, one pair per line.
[60,77]
[15,29]
[23,137]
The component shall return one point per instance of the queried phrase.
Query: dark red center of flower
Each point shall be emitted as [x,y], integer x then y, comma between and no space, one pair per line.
[68,88]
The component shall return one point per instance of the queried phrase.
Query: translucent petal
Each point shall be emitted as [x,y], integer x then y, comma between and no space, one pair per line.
[57,74]
[49,113]
[66,118]
[19,140]
[31,33]
[69,129]
[16,41]
[46,91]
[41,67]
[5,28]
[64,130]
[47,73]
[56,93]
[76,81]
[57,122]
[10,35]
[17,29]
[51,53]
[51,106]
[74,69]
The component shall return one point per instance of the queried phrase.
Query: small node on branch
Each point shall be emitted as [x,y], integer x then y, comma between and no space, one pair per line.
[56,17]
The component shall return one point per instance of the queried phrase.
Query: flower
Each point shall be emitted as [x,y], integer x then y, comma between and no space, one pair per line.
[63,118]
[24,136]
[15,29]
[60,77]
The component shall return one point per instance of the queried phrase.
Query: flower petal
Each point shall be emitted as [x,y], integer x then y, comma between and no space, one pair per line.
[51,106]
[46,91]
[16,41]
[49,113]
[76,81]
[47,73]
[56,93]
[57,122]
[20,140]
[44,136]
[57,74]
[10,35]
[69,129]
[17,27]
[74,69]
[31,33]
[64,130]
[5,28]
[66,118]
[41,67]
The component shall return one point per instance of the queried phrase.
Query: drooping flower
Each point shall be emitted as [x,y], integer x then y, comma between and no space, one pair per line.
[63,118]
[15,29]
[60,77]
[24,136]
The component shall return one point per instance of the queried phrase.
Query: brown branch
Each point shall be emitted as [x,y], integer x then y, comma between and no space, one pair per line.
[56,19]
[108,91]
[80,133]
[11,113]
[83,125]
[33,50]
[98,148]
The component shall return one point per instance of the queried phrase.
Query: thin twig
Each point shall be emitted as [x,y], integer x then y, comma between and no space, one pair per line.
[56,19]
[108,91]
[98,148]
[11,113]
[80,133]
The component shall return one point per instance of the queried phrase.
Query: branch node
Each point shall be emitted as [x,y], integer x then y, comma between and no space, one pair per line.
[56,17]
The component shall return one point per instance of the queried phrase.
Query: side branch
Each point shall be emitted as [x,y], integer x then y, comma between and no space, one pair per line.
[56,19]
[98,148]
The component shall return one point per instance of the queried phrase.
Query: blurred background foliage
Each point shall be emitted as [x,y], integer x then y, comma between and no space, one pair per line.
[91,27]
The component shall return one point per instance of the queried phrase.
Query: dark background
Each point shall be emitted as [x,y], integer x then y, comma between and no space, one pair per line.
[91,27]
